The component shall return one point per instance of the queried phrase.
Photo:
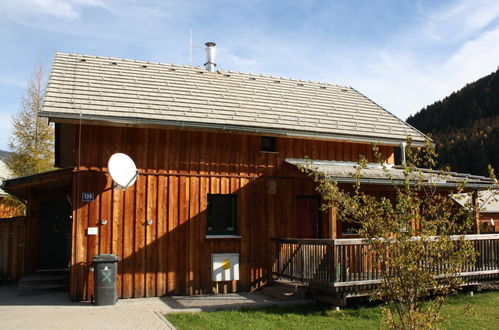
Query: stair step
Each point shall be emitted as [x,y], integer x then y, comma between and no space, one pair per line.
[288,284]
[285,292]
[44,281]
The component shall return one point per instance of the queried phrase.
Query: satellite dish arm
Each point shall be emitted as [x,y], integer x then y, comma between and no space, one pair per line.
[131,180]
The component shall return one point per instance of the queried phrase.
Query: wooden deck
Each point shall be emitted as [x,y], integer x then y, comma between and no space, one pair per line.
[348,266]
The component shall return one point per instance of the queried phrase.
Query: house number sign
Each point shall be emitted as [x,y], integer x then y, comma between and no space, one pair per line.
[87,197]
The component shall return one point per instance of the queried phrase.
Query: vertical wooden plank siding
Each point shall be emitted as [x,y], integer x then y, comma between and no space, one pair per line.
[178,169]
[13,239]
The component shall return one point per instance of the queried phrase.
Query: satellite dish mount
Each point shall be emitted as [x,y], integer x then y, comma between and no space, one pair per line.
[122,170]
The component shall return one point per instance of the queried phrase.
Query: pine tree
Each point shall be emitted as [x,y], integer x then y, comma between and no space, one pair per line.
[32,140]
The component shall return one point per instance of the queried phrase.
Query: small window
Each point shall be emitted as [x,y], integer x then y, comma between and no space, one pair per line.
[268,144]
[222,214]
[350,227]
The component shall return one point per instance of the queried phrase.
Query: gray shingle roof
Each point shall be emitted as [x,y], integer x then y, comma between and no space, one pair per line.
[344,172]
[129,91]
[488,201]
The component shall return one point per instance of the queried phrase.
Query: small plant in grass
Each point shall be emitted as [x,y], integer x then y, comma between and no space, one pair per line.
[408,233]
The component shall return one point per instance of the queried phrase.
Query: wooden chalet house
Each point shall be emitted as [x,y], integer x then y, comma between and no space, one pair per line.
[216,153]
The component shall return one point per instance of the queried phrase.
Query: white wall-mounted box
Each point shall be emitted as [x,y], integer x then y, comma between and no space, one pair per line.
[225,266]
[91,231]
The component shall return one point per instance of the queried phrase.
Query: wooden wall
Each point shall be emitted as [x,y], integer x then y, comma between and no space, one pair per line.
[178,168]
[13,237]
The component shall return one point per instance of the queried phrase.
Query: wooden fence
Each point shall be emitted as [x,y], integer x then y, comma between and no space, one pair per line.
[13,235]
[347,264]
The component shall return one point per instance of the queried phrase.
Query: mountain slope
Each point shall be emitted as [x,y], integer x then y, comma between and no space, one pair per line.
[465,126]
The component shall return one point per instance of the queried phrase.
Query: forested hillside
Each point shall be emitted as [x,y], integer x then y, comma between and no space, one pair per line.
[465,126]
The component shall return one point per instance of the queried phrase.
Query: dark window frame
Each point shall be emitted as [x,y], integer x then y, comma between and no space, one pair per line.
[397,155]
[217,218]
[268,144]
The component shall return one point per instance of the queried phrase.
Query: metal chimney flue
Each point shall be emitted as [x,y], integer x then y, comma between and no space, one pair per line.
[210,56]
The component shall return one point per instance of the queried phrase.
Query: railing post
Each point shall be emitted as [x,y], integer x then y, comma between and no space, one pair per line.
[332,264]
[277,257]
[302,260]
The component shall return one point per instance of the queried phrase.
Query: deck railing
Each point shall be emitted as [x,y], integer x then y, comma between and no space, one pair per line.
[345,264]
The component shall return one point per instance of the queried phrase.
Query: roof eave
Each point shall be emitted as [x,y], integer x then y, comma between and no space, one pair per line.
[16,186]
[56,116]
[388,182]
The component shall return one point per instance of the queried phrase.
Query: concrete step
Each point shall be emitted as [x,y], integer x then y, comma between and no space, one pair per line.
[41,282]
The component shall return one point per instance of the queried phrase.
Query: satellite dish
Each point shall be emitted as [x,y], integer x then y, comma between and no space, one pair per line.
[122,170]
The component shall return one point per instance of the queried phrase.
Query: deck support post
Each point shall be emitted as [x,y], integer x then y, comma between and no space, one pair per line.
[333,228]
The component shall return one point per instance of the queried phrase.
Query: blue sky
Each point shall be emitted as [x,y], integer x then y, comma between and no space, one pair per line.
[403,54]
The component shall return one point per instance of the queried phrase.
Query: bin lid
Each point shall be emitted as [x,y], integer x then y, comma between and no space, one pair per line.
[105,258]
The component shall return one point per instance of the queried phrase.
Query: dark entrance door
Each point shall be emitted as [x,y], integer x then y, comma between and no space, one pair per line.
[307,217]
[54,234]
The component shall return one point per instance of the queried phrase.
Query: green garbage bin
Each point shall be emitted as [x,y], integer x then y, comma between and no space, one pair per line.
[105,277]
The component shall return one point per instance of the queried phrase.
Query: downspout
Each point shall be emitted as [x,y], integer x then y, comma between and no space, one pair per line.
[403,145]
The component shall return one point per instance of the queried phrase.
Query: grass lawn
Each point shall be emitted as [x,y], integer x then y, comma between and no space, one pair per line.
[461,312]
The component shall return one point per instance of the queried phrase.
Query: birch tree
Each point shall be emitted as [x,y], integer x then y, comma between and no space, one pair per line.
[408,236]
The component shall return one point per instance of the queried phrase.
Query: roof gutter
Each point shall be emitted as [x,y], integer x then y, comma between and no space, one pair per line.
[388,182]
[53,116]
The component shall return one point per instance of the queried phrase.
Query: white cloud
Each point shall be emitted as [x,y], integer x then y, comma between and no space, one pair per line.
[24,10]
[476,57]
[234,62]
[461,20]
[404,83]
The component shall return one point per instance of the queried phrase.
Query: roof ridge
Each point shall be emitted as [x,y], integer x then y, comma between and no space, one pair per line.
[200,67]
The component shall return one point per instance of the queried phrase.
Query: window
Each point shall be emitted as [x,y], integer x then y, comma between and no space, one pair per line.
[222,214]
[268,144]
[351,227]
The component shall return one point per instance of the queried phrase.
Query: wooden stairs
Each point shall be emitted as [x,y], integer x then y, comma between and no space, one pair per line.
[285,290]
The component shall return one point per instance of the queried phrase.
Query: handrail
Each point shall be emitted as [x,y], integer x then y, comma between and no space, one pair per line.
[348,264]
[351,241]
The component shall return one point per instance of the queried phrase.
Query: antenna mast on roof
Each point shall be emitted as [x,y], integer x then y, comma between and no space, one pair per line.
[191,46]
